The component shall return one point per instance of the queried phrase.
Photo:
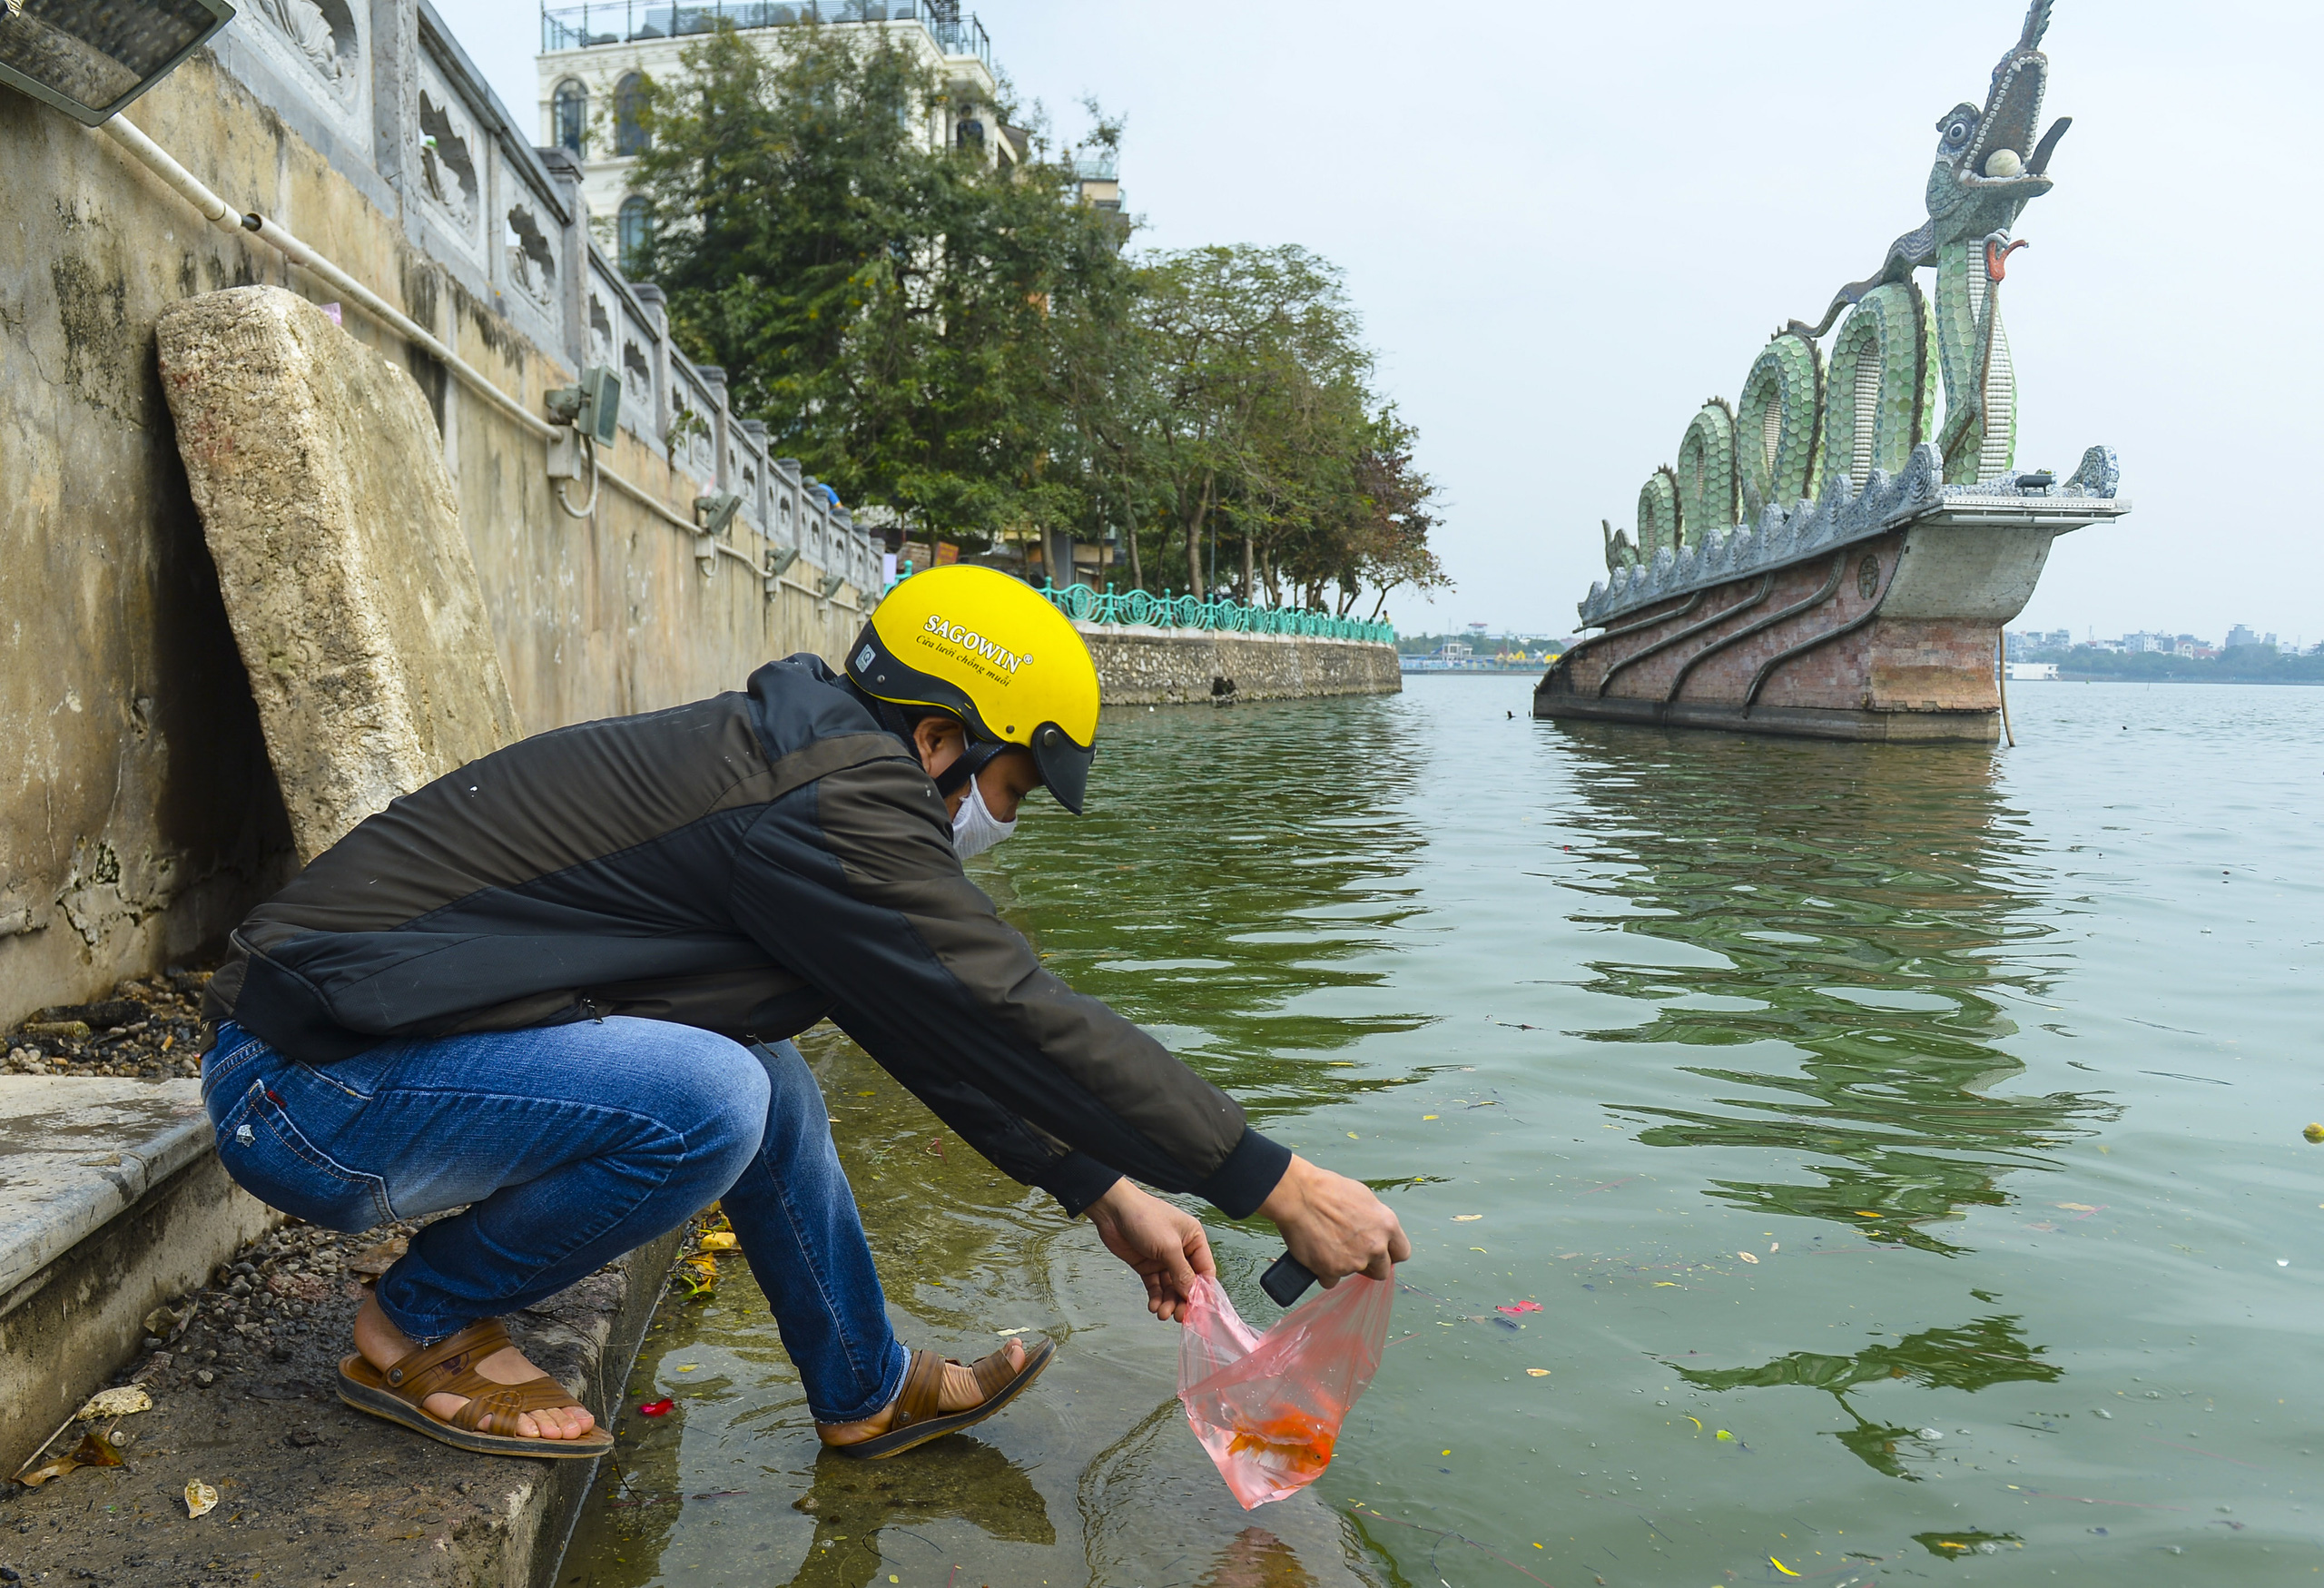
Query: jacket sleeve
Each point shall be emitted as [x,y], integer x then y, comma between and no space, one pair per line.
[852,883]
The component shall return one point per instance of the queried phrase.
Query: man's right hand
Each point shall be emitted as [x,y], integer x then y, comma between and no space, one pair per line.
[1333,1224]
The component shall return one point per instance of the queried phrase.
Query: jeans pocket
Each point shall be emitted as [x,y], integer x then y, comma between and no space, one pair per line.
[267,1157]
[234,1048]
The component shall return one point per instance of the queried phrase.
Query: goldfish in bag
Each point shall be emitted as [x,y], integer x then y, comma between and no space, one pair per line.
[1268,1407]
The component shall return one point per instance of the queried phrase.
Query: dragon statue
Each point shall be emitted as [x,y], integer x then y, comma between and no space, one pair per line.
[1798,424]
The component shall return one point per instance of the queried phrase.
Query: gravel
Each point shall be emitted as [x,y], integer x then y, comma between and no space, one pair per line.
[150,1028]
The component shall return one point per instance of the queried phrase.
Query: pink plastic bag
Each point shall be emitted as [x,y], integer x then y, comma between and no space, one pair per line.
[1268,1407]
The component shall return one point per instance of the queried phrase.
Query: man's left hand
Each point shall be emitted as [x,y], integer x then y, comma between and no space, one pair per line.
[1165,1245]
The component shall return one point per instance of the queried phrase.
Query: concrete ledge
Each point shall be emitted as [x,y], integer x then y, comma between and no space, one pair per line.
[111,1204]
[1143,666]
[310,1490]
[1891,727]
[77,1151]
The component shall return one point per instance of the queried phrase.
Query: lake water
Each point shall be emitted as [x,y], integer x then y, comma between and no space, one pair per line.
[1903,1146]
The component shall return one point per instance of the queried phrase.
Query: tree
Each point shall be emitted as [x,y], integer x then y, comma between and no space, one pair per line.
[886,306]
[966,350]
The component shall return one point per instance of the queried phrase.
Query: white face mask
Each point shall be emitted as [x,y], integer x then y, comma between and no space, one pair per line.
[975,828]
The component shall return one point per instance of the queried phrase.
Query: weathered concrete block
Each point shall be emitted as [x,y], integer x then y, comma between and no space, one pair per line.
[318,474]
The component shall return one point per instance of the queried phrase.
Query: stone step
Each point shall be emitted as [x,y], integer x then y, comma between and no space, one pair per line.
[310,1490]
[111,1204]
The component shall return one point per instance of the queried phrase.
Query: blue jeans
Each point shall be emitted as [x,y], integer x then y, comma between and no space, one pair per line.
[565,1147]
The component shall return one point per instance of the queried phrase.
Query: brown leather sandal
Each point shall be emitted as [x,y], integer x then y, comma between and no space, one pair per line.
[487,1424]
[917,1420]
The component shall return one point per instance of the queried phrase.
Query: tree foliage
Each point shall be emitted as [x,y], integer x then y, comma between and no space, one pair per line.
[961,347]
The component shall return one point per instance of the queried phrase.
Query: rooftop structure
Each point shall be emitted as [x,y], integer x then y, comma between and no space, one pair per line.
[621,21]
[594,60]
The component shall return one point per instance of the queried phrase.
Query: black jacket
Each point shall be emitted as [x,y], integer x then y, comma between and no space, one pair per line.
[748,864]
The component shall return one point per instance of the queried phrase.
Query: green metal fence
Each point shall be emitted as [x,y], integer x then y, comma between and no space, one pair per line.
[1221,614]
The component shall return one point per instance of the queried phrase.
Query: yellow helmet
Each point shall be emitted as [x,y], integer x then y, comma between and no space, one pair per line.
[990,650]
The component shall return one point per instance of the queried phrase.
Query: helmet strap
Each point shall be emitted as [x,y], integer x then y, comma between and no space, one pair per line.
[971,761]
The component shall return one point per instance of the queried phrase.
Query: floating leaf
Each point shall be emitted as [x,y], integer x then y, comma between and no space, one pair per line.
[1466,1218]
[201,1499]
[1723,1434]
[688,1367]
[1860,1213]
[126,1401]
[1425,1118]
[660,1408]
[1536,1372]
[1777,1564]
[1515,1308]
[1746,1256]
[2077,1206]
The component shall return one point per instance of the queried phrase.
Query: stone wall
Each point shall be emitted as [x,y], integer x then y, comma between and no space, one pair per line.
[142,818]
[1152,667]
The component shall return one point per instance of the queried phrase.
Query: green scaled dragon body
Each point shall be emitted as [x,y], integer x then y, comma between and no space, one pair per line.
[1799,425]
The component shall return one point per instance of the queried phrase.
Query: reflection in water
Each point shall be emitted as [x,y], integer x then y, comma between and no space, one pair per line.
[1987,1351]
[1257,1559]
[1858,906]
[853,1501]
[1218,902]
[1141,1491]
[1954,1547]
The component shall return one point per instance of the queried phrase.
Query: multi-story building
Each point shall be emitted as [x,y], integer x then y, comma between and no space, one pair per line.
[594,60]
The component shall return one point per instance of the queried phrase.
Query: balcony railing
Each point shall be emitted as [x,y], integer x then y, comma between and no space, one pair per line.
[1221,614]
[624,22]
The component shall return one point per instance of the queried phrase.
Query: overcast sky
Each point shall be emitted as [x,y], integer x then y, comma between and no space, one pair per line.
[1566,226]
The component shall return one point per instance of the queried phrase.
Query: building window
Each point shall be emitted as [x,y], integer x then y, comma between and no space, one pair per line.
[570,117]
[636,231]
[629,117]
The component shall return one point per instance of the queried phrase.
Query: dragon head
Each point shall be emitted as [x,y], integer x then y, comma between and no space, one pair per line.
[1984,174]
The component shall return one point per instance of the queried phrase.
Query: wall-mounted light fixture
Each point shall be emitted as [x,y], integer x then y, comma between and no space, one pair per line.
[90,57]
[712,514]
[778,563]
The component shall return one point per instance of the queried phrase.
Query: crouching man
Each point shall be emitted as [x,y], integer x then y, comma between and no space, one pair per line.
[554,990]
